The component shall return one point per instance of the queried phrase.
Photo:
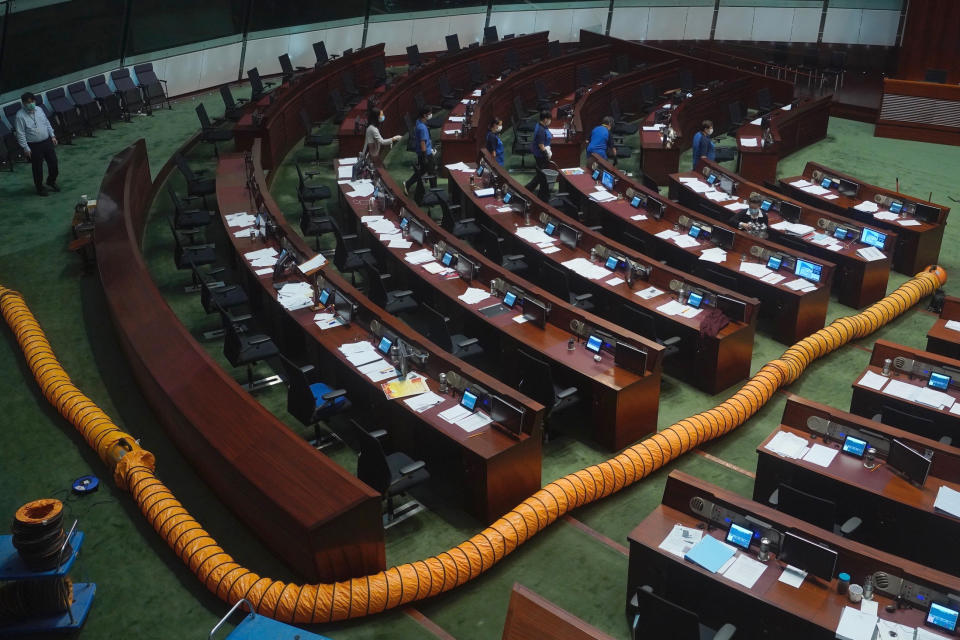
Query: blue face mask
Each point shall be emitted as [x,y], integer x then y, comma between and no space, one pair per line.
[382,117]
[30,106]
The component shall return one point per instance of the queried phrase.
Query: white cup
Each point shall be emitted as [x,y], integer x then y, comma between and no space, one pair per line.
[855,593]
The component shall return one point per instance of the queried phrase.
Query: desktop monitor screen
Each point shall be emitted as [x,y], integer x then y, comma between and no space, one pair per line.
[569,236]
[774,262]
[942,617]
[694,299]
[594,343]
[926,212]
[343,307]
[808,556]
[740,536]
[854,446]
[417,233]
[896,207]
[873,238]
[549,228]
[509,298]
[596,174]
[912,464]
[630,358]
[808,270]
[506,415]
[849,188]
[447,259]
[656,208]
[711,178]
[469,400]
[790,212]
[723,237]
[466,269]
[825,183]
[840,233]
[939,381]
[635,203]
[765,205]
[726,185]
[612,263]
[607,180]
[385,344]
[734,309]
[535,312]
[323,297]
[694,231]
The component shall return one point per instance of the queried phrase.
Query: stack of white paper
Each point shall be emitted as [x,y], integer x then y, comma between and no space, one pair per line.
[558,133]
[756,121]
[419,257]
[717,196]
[821,239]
[268,252]
[899,389]
[456,118]
[736,206]
[873,381]
[534,235]
[672,308]
[295,295]
[867,206]
[315,262]
[820,455]
[800,183]
[698,187]
[788,445]
[792,227]
[744,570]
[378,370]
[871,253]
[687,179]
[907,222]
[748,142]
[459,166]
[474,421]
[685,241]
[423,401]
[755,269]
[585,268]
[454,413]
[345,172]
[352,160]
[953,325]
[361,189]
[474,295]
[326,320]
[242,219]
[680,540]
[666,234]
[792,576]
[639,216]
[359,353]
[397,242]
[933,398]
[885,215]
[816,190]
[648,293]
[773,278]
[948,501]
[856,625]
[713,254]
[245,233]
[800,285]
[602,195]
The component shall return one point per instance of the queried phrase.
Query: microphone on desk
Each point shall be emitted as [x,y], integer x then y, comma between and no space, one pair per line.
[904,364]
[823,223]
[578,328]
[816,424]
[759,252]
[683,221]
[676,285]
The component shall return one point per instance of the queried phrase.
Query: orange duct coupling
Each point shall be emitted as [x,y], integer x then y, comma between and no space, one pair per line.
[133,469]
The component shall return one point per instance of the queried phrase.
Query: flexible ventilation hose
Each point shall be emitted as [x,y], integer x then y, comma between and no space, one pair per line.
[133,470]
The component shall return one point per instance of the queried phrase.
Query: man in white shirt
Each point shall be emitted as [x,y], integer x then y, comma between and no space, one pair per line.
[35,135]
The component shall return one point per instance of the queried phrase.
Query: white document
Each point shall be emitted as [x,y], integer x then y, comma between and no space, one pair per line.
[474,421]
[793,577]
[867,206]
[680,540]
[953,325]
[871,253]
[816,190]
[773,278]
[476,93]
[361,188]
[653,127]
[326,321]
[755,269]
[887,630]
[792,227]
[899,389]
[745,570]
[639,216]
[933,398]
[869,606]
[714,254]
[424,401]
[749,142]
[362,358]
[351,348]
[484,193]
[352,160]
[458,166]
[689,312]
[313,263]
[736,206]
[505,209]
[534,235]
[454,414]
[519,319]
[456,118]
[551,249]
[886,215]
[671,308]
[799,285]
[268,261]
[955,409]
[648,293]
[831,196]
[820,455]
[948,501]
[923,634]
[378,370]
[399,243]
[242,219]
[602,195]
[686,179]
[558,133]
[435,268]
[263,272]
[800,183]
[906,222]
[856,625]
[786,107]
[474,295]
[261,253]
[685,241]
[756,121]
[244,233]
[821,239]
[666,234]
[787,445]
[718,196]
[613,282]
[345,172]
[873,380]
[585,268]
[419,257]
[699,187]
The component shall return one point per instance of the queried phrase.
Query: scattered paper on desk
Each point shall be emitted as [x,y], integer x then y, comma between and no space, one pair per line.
[953,325]
[263,272]
[787,445]
[473,295]
[821,239]
[923,634]
[800,183]
[793,577]
[744,570]
[399,243]
[717,196]
[886,215]
[699,187]
[867,206]
[345,172]
[906,222]
[378,370]
[242,219]
[685,241]
[267,261]
[423,401]
[326,320]
[710,553]
[654,127]
[816,190]
[666,234]
[648,293]
[680,540]
[459,166]
[484,193]
[505,209]
[749,142]
[820,455]
[534,235]
[671,308]
[602,195]
[887,630]
[613,282]
[869,606]
[585,268]
[831,196]
[795,228]
[933,398]
[474,421]
[871,253]
[361,188]
[800,284]
[436,268]
[736,206]
[856,625]
[900,389]
[558,133]
[756,121]
[689,312]
[948,501]
[873,381]
[414,384]
[419,257]
[315,262]
[773,278]
[519,319]
[639,216]
[261,253]
[755,269]
[454,413]
[244,233]
[551,249]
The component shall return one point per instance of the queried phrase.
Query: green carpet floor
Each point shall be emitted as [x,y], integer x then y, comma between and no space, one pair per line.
[144,591]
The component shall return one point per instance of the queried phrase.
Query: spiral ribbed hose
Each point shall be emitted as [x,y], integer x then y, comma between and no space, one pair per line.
[133,470]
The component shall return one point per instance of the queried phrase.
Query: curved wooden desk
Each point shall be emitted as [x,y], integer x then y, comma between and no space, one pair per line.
[311,512]
[942,339]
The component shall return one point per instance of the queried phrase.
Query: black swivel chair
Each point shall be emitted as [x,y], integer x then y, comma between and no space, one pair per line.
[312,401]
[491,245]
[108,100]
[286,68]
[645,323]
[648,96]
[737,115]
[622,126]
[651,616]
[765,103]
[258,88]
[209,132]
[312,138]
[525,120]
[340,110]
[243,349]
[232,108]
[521,142]
[449,96]
[348,256]
[315,221]
[908,422]
[584,77]
[188,253]
[353,93]
[198,184]
[7,157]
[186,217]
[216,296]
[413,57]
[453,43]
[536,381]
[393,301]
[456,344]
[380,76]
[477,76]
[813,509]
[685,80]
[320,51]
[391,475]
[66,115]
[308,191]
[426,195]
[129,93]
[555,280]
[837,69]
[545,99]
[452,220]
[151,87]
[89,109]
[490,34]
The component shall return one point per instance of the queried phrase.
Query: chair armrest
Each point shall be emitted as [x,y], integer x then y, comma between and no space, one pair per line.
[189,198]
[598,228]
[774,498]
[850,525]
[200,172]
[307,368]
[725,632]
[360,251]
[348,236]
[240,317]
[628,115]
[672,340]
[435,189]
[877,417]
[258,339]
[401,293]
[412,468]
[566,393]
[312,173]
[467,220]
[469,342]
[582,297]
[514,257]
[333,395]
[947,440]
[379,433]
[199,247]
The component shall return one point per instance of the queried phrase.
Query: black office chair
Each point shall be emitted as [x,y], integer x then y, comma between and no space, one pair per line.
[67,120]
[621,126]
[490,34]
[188,256]
[312,401]
[413,57]
[286,68]
[837,69]
[351,91]
[648,96]
[315,221]
[651,616]
[380,76]
[456,344]
[89,109]
[393,301]
[584,77]
[536,381]
[453,43]
[561,200]
[151,87]
[426,195]
[452,220]
[258,88]
[491,245]
[908,422]
[308,191]
[555,280]
[521,142]
[765,103]
[232,108]
[129,93]
[209,132]
[109,102]
[524,120]
[545,99]
[186,217]
[314,139]
[715,275]
[216,296]
[810,64]
[391,475]
[340,110]
[736,114]
[320,51]
[813,509]
[477,76]
[348,256]
[645,323]
[685,80]
[198,184]
[243,349]
[449,96]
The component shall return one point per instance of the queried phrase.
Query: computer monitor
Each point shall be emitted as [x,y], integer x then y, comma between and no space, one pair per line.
[468,400]
[723,237]
[908,462]
[535,312]
[739,536]
[506,415]
[694,231]
[942,617]
[790,212]
[849,188]
[873,238]
[774,262]
[939,381]
[854,446]
[607,180]
[840,233]
[926,212]
[417,232]
[549,228]
[656,208]
[695,299]
[636,202]
[765,205]
[466,269]
[896,207]
[594,343]
[808,556]
[726,184]
[612,263]
[734,309]
[384,345]
[808,270]
[630,358]
[509,299]
[323,297]
[447,259]
[344,307]
[568,235]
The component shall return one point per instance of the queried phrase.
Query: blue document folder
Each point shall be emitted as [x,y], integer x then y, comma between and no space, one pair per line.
[710,553]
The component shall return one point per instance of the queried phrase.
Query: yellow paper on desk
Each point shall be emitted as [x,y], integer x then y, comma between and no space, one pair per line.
[413,385]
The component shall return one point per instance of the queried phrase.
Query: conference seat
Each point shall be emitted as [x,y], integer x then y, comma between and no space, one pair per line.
[536,381]
[258,88]
[210,133]
[390,475]
[189,256]
[151,86]
[817,511]
[353,93]
[736,114]
[556,280]
[286,67]
[315,221]
[66,115]
[216,295]
[108,100]
[310,191]
[456,344]
[521,141]
[380,76]
[651,616]
[393,301]
[242,349]
[128,92]
[320,51]
[313,139]
[184,217]
[90,111]
[621,127]
[6,157]
[340,110]
[348,257]
[491,245]
[919,425]
[312,401]
[198,184]
[545,99]
[232,108]
[449,96]
[452,221]
[414,60]
[765,103]
[645,323]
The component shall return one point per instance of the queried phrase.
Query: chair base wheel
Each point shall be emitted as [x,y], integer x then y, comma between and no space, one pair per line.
[262,383]
[402,513]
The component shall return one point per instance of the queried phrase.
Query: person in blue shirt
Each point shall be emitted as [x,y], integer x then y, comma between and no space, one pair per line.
[494,143]
[542,153]
[702,144]
[425,155]
[35,136]
[600,139]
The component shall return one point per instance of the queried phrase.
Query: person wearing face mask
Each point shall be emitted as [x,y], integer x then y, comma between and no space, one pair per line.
[425,155]
[753,220]
[600,139]
[702,144]
[35,136]
[494,143]
[542,153]
[373,141]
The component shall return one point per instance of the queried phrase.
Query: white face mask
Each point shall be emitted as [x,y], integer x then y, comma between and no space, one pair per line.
[709,132]
[498,128]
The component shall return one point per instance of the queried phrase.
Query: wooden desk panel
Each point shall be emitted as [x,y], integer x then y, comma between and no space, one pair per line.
[940,339]
[308,510]
[533,617]
[923,111]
